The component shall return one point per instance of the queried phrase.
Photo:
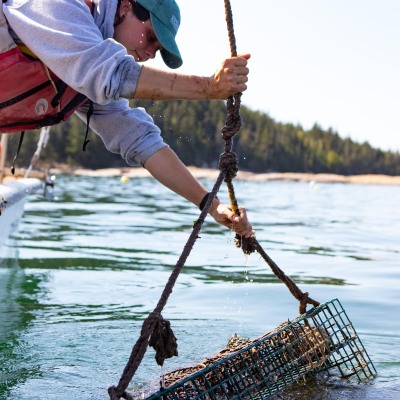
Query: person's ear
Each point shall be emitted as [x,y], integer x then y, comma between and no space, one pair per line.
[124,8]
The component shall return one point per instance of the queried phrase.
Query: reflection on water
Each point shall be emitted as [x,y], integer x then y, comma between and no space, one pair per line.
[92,264]
[18,304]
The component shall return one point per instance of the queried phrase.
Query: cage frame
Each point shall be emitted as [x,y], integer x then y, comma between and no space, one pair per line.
[275,365]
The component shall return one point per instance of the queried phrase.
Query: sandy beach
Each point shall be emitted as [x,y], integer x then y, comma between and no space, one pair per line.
[242,175]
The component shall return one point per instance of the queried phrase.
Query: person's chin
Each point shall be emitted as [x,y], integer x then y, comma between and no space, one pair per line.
[139,59]
[135,55]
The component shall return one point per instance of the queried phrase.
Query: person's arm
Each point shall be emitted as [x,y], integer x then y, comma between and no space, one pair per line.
[65,37]
[169,170]
[229,79]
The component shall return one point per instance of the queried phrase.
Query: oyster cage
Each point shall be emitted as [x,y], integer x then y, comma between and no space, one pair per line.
[323,339]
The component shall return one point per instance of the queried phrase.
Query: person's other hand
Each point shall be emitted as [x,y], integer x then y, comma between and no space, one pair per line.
[230,78]
[225,216]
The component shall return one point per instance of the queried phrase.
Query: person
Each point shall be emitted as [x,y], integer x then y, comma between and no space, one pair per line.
[98,48]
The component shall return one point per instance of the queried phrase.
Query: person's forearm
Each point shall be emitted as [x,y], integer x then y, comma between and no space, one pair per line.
[164,85]
[166,167]
[230,78]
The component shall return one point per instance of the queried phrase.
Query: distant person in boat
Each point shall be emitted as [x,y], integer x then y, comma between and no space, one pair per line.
[97,47]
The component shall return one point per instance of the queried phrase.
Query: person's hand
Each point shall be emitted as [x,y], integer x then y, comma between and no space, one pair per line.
[230,78]
[225,216]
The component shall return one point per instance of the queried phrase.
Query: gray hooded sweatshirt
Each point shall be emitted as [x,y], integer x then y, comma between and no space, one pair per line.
[78,47]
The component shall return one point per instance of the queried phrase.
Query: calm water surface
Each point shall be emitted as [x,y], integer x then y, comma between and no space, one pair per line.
[84,270]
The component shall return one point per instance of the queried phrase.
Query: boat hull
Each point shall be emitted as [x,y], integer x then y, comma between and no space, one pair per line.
[13,196]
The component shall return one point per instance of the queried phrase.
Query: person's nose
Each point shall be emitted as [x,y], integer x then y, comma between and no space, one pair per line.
[152,49]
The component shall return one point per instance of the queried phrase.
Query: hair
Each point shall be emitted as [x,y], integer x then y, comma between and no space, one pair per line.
[141,13]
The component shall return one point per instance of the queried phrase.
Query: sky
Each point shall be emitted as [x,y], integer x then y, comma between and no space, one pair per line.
[331,62]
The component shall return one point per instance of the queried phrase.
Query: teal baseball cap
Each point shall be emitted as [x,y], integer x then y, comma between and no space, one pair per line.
[165,18]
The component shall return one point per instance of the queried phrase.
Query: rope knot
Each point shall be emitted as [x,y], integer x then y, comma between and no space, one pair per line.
[113,393]
[162,339]
[246,244]
[228,163]
[304,300]
[232,125]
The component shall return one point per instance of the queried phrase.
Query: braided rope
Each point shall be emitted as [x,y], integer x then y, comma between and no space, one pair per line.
[156,331]
[228,163]
[165,343]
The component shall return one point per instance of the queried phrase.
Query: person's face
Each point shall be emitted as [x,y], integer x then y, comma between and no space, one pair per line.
[137,36]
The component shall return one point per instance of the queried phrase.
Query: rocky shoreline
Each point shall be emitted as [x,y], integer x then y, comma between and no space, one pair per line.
[204,173]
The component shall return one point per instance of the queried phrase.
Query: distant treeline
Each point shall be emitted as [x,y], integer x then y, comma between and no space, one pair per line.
[193,130]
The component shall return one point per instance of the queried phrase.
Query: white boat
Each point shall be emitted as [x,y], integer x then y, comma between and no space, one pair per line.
[13,195]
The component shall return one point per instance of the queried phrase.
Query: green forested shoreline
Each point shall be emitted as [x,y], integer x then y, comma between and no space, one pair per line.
[193,130]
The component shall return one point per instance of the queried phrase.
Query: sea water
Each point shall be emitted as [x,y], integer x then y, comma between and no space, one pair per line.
[84,270]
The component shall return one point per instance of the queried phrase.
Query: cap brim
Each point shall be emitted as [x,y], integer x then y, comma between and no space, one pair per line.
[169,52]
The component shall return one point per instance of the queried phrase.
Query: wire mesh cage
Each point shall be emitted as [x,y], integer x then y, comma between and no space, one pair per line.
[323,339]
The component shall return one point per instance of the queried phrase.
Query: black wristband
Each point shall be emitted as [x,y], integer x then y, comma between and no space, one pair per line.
[204,201]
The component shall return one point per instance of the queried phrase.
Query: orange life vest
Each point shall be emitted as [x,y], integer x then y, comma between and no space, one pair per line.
[32,96]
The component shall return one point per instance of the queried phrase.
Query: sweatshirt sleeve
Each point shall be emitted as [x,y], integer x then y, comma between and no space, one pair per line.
[128,131]
[64,36]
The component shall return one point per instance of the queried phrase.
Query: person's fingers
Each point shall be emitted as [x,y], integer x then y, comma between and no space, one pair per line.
[246,56]
[241,225]
[238,223]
